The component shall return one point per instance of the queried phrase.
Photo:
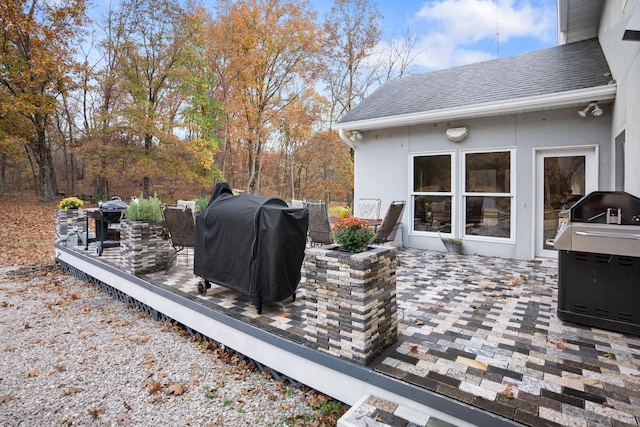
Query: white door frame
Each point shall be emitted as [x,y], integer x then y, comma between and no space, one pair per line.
[591,184]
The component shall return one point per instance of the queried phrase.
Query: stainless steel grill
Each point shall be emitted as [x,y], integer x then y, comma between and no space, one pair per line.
[599,262]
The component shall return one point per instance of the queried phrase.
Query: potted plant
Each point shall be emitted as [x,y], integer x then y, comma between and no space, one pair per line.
[352,234]
[70,203]
[144,243]
[452,245]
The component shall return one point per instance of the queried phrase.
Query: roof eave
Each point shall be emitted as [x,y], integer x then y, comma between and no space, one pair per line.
[489,109]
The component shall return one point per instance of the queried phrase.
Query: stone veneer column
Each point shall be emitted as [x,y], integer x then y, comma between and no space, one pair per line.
[66,220]
[350,302]
[144,246]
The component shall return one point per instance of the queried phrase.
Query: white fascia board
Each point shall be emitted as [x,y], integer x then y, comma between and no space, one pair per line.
[489,109]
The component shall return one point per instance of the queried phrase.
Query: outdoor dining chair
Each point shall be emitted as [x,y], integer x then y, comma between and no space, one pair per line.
[181,227]
[368,209]
[319,227]
[387,230]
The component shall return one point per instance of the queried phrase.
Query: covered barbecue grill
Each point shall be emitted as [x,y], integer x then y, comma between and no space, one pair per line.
[105,216]
[251,244]
[599,262]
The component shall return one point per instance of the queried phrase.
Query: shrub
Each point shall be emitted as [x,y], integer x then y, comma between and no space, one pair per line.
[149,209]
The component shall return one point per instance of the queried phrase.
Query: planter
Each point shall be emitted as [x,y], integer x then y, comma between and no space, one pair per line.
[144,246]
[69,221]
[350,301]
[453,247]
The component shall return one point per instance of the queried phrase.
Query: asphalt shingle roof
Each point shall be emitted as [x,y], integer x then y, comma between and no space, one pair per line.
[554,70]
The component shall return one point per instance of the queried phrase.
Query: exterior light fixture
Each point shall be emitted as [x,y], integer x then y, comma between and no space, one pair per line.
[457,134]
[355,135]
[597,111]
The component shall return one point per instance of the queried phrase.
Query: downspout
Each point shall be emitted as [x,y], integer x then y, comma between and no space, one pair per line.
[346,139]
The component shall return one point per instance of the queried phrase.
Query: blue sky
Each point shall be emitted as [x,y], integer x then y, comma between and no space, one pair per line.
[458,32]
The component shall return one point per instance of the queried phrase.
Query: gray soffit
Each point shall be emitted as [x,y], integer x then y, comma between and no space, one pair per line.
[557,77]
[578,20]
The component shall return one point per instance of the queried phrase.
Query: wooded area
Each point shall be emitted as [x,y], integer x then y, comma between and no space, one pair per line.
[167,97]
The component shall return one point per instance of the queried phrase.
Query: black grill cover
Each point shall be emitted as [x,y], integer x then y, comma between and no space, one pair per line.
[252,244]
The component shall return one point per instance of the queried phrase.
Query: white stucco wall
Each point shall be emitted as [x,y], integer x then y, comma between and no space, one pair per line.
[382,164]
[624,60]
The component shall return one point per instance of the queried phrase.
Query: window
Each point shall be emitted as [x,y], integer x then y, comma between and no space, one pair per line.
[487,197]
[432,193]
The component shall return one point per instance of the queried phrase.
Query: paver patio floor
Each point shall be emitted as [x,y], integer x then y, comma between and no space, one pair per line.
[481,330]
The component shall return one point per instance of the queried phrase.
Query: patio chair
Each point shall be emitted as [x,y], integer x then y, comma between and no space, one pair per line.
[182,229]
[387,230]
[368,209]
[319,227]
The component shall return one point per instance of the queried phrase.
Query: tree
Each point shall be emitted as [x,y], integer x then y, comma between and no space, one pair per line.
[156,41]
[37,40]
[265,47]
[352,30]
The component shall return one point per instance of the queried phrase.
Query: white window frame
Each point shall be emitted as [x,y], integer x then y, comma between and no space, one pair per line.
[511,194]
[454,187]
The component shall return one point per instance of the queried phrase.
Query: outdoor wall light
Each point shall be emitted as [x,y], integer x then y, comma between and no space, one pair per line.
[457,134]
[355,135]
[597,111]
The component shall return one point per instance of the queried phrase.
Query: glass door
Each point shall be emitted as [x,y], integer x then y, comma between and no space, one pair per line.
[563,177]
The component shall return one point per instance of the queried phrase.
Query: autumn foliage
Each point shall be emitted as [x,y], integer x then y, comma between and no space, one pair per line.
[169,97]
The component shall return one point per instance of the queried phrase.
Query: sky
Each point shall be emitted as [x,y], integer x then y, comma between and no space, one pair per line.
[459,32]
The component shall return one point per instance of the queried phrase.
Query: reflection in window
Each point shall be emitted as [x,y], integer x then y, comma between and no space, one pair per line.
[488,172]
[432,213]
[432,196]
[432,173]
[488,216]
[487,194]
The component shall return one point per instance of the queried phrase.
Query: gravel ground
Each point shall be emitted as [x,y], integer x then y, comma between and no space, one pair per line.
[71,355]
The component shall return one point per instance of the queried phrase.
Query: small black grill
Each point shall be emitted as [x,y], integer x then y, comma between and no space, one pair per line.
[108,213]
[599,262]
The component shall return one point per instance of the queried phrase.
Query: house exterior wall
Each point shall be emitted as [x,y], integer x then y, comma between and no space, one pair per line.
[624,59]
[382,166]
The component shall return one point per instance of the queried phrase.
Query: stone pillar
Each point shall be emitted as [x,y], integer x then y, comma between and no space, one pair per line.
[144,246]
[66,220]
[350,302]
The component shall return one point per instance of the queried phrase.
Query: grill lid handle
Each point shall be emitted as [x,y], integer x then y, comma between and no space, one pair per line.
[602,234]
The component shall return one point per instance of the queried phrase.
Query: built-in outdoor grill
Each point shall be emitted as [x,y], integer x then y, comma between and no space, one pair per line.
[599,262]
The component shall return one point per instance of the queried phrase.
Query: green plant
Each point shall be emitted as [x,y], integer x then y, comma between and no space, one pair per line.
[149,209]
[331,408]
[352,234]
[201,204]
[70,203]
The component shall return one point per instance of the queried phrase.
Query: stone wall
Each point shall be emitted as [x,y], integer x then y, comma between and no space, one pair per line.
[144,246]
[67,220]
[350,301]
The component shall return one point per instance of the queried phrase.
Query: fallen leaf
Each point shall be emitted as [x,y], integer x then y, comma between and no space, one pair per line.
[72,391]
[96,412]
[32,373]
[152,386]
[560,346]
[175,389]
[414,349]
[126,406]
[418,322]
[5,398]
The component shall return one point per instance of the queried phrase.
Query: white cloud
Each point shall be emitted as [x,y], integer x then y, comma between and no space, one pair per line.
[457,32]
